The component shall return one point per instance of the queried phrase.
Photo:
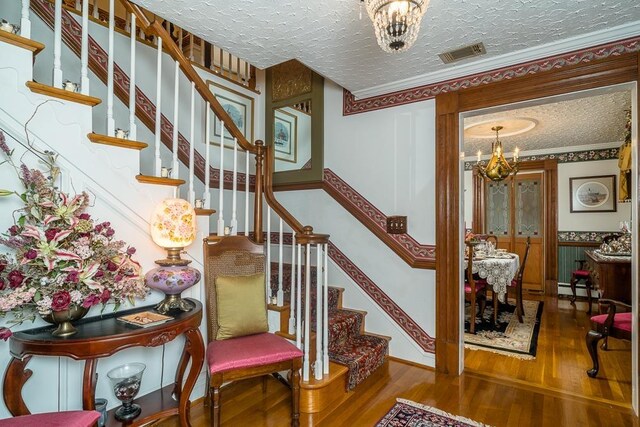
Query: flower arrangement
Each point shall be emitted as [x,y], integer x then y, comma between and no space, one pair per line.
[62,257]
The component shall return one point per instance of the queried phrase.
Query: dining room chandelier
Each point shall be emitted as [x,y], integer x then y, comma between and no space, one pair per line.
[396,22]
[498,168]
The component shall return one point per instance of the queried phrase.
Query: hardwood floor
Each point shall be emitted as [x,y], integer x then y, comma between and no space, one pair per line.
[553,390]
[562,358]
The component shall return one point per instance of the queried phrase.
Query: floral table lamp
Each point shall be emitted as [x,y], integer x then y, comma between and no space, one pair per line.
[173,227]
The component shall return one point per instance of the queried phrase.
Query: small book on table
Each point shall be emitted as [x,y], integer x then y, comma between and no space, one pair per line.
[145,319]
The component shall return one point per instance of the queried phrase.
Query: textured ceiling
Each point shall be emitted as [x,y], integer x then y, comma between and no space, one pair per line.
[597,119]
[327,35]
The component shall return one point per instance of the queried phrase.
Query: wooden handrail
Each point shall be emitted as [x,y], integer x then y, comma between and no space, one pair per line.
[155,28]
[141,19]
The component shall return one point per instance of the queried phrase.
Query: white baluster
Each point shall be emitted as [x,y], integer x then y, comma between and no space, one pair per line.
[84,49]
[247,72]
[292,296]
[111,123]
[158,164]
[325,328]
[133,129]
[192,192]
[307,313]
[319,314]
[268,266]
[180,39]
[57,45]
[25,22]
[298,306]
[207,155]
[202,47]
[280,293]
[96,13]
[234,191]
[77,6]
[221,184]
[175,164]
[190,46]
[246,192]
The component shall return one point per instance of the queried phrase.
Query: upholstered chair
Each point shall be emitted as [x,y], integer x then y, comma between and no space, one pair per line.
[54,419]
[516,283]
[474,291]
[239,344]
[613,324]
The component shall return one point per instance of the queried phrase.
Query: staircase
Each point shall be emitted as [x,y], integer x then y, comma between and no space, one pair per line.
[339,354]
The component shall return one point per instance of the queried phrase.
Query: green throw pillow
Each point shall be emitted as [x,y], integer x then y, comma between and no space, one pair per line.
[241,306]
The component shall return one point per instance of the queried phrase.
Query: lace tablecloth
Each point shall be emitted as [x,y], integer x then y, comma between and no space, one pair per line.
[498,272]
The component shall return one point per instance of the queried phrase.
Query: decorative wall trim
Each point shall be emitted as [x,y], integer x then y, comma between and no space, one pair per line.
[145,109]
[351,105]
[393,310]
[568,157]
[582,236]
[413,253]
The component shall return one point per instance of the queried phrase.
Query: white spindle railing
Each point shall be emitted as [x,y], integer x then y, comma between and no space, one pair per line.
[207,155]
[190,47]
[280,292]
[175,165]
[325,316]
[158,161]
[268,267]
[246,191]
[84,49]
[192,191]
[57,45]
[111,124]
[298,300]
[221,184]
[25,22]
[234,191]
[95,14]
[318,370]
[133,129]
[307,313]
[292,292]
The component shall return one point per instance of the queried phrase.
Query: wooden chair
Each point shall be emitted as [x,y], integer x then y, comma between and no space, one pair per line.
[612,324]
[474,291]
[247,356]
[54,419]
[517,282]
[576,276]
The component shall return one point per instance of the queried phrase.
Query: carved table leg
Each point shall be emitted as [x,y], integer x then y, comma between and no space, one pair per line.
[15,376]
[194,349]
[592,339]
[89,380]
[589,299]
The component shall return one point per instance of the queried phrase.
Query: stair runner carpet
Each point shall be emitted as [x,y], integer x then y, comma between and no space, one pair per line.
[348,346]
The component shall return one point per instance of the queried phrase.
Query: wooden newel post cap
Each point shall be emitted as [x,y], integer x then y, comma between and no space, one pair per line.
[307,229]
[259,143]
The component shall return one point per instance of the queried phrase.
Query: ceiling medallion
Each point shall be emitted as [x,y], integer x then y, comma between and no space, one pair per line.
[396,22]
[498,167]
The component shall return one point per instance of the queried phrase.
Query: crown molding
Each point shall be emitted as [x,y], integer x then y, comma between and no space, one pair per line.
[583,41]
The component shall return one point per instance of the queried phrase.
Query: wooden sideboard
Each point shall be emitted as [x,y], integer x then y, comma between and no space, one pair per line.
[611,276]
[103,336]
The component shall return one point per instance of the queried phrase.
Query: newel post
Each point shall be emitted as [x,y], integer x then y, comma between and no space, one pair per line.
[257,205]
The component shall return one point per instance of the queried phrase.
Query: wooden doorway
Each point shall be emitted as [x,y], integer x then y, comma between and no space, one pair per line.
[623,68]
[541,177]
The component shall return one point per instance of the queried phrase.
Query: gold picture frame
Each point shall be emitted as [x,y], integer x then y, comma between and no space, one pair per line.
[240,108]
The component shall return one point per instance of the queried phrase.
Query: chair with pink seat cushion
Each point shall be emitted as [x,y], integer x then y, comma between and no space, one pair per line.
[516,283]
[576,276]
[54,419]
[247,356]
[474,291]
[612,324]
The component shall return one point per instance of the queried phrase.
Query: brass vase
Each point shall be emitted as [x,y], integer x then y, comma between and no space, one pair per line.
[64,318]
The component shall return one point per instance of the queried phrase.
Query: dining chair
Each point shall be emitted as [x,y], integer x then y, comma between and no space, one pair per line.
[517,282]
[581,273]
[54,419]
[611,324]
[474,291]
[239,344]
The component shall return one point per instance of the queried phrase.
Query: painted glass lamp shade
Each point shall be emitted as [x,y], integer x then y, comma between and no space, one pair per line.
[173,227]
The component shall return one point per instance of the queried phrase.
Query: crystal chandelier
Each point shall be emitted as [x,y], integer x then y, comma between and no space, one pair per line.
[498,167]
[396,22]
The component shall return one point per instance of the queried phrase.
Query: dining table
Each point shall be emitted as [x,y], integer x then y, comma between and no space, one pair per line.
[498,269]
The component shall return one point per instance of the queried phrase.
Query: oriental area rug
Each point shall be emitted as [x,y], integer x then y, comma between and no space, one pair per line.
[510,337]
[406,413]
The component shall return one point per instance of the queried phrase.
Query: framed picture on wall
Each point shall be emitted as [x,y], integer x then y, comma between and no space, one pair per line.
[285,131]
[240,109]
[593,194]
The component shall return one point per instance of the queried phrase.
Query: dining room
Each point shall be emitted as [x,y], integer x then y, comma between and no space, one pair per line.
[547,219]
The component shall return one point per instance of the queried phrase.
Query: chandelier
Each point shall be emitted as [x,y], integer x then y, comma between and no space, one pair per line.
[396,22]
[498,167]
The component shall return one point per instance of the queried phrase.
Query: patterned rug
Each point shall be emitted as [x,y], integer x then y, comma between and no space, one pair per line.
[406,413]
[510,337]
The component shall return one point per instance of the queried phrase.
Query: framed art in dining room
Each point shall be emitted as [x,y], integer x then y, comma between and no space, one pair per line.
[239,107]
[593,194]
[285,131]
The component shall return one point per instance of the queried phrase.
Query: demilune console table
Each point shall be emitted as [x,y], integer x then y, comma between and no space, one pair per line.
[103,336]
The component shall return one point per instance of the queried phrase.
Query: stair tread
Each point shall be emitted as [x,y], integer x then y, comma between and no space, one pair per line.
[55,92]
[363,355]
[23,42]
[336,372]
[156,180]
[116,142]
[204,211]
[276,307]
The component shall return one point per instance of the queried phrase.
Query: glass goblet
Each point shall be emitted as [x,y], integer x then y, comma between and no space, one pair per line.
[125,380]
